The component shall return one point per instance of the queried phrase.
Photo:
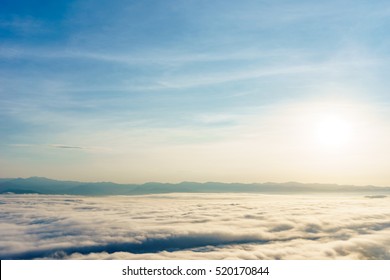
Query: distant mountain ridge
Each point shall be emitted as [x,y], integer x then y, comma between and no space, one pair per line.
[40,185]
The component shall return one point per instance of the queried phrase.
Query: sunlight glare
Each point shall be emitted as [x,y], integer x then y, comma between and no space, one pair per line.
[333,131]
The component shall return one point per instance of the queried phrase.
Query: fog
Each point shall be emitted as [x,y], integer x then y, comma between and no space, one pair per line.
[195,226]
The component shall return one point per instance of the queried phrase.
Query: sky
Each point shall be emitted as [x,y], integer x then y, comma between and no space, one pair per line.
[171,91]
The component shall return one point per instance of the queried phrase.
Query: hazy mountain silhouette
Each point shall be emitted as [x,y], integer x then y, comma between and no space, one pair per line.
[41,185]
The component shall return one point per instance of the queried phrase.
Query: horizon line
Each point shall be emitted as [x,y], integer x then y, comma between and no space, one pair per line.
[195,182]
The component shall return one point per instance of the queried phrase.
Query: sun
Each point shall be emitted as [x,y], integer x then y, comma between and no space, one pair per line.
[333,131]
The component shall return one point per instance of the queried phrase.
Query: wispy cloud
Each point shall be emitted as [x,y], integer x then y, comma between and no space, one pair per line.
[140,57]
[284,62]
[23,25]
[59,146]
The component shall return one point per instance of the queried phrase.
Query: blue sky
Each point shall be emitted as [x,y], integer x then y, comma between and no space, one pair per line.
[136,91]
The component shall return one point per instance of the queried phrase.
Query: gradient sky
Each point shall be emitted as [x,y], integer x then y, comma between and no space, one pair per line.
[137,91]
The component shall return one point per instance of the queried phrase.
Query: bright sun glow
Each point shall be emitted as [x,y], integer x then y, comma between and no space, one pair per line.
[333,131]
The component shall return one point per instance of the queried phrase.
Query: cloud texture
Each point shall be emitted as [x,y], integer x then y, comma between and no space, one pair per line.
[194,226]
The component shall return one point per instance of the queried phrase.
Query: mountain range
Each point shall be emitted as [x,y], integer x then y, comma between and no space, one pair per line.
[40,185]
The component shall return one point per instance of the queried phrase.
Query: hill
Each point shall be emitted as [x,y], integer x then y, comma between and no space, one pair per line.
[41,185]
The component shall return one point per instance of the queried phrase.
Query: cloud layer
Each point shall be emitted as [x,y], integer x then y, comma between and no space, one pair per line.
[188,226]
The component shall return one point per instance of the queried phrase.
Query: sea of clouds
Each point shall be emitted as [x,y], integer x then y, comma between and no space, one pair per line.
[195,226]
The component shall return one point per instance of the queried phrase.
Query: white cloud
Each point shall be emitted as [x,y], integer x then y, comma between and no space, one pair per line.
[188,226]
